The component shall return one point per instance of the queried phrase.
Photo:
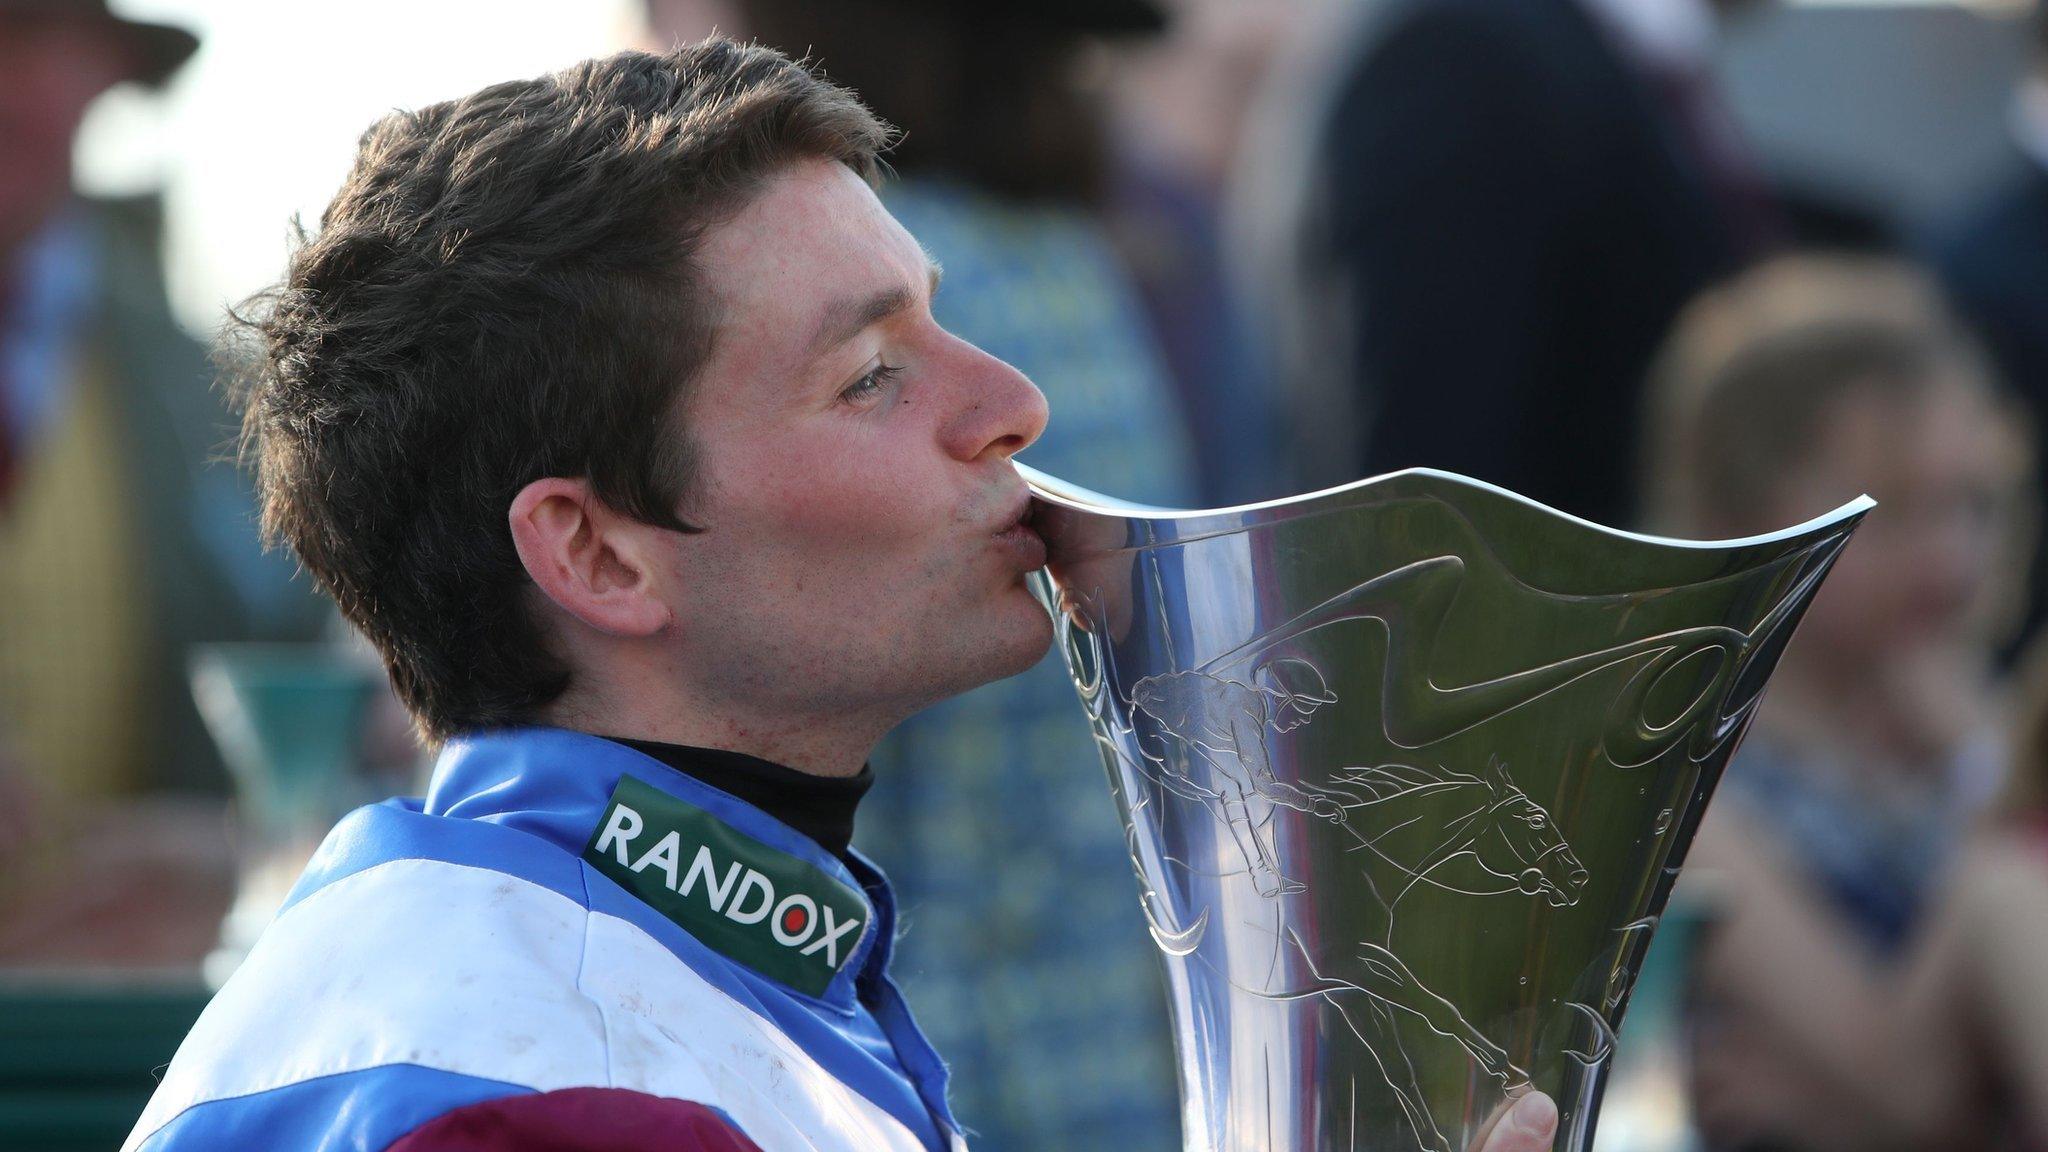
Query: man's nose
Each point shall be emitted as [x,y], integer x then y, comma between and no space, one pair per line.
[999,409]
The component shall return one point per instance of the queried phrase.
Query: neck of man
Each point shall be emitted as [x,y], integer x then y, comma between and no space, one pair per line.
[740,716]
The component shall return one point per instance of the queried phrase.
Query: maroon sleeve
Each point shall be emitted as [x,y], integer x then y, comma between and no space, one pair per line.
[578,1120]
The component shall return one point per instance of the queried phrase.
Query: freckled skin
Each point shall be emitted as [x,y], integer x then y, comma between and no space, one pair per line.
[848,570]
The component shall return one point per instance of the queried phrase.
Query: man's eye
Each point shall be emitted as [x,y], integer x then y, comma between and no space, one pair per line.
[869,385]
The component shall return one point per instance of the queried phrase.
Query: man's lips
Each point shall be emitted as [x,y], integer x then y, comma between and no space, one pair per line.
[1017,539]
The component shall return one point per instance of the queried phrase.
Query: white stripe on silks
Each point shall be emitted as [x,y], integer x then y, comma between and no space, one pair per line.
[481,973]
[753,1070]
[410,962]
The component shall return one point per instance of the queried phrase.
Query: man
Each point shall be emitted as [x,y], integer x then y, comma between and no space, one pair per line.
[1510,203]
[610,406]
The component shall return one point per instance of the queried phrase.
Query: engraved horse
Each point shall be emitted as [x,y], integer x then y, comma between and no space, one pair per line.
[1474,835]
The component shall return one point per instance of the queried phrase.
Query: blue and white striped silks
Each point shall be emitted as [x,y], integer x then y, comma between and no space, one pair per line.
[444,952]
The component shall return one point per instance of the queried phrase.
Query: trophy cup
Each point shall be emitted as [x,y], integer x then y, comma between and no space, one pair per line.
[1407,770]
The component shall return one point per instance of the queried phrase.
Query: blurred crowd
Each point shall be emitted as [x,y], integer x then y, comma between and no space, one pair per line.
[1583,249]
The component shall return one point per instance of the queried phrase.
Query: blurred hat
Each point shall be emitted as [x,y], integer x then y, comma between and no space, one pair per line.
[158,48]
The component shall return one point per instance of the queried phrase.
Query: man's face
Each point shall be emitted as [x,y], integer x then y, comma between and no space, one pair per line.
[862,550]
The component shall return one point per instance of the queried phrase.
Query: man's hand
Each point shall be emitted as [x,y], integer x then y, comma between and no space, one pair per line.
[1528,1125]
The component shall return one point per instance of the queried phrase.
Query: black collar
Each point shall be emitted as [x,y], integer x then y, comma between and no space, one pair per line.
[820,807]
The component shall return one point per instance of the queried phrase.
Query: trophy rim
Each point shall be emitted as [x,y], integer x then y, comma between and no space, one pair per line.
[1064,494]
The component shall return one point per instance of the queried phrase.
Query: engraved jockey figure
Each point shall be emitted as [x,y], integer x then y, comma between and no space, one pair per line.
[1225,722]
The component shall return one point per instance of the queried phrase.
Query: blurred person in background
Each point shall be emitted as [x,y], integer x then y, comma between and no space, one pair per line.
[1179,106]
[1780,396]
[1981,972]
[1044,993]
[1506,205]
[1994,261]
[119,545]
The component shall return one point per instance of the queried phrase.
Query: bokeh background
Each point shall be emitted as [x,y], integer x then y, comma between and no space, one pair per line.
[1701,267]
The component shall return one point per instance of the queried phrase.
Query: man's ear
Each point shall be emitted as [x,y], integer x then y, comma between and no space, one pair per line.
[595,564]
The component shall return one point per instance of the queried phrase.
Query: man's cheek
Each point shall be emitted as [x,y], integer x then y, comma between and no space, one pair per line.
[876,517]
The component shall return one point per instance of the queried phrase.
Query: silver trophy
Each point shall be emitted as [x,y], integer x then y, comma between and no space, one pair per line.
[1407,768]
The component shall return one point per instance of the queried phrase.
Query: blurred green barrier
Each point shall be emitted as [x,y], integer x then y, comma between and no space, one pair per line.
[78,1062]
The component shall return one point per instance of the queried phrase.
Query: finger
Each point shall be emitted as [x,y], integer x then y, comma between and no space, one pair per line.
[1529,1126]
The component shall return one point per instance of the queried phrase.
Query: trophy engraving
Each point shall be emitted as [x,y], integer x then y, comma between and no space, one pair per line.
[1402,846]
[1224,724]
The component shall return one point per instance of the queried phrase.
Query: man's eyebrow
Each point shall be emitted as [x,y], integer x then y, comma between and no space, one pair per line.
[846,319]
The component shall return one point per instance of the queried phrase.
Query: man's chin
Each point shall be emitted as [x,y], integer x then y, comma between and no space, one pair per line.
[1019,646]
[995,649]
[1038,638]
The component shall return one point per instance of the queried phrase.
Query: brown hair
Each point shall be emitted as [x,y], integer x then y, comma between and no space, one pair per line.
[1752,368]
[502,291]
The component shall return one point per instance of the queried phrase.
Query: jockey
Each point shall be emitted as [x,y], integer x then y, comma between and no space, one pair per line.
[610,407]
[1223,723]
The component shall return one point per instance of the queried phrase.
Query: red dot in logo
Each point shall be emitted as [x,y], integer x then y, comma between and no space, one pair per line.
[795,920]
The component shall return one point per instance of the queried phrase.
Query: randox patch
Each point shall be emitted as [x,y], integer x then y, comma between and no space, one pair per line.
[781,916]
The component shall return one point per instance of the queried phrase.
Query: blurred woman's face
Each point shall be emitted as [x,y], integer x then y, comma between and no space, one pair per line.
[1932,565]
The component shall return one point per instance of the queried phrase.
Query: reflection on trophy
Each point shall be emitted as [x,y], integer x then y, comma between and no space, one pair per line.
[1407,769]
